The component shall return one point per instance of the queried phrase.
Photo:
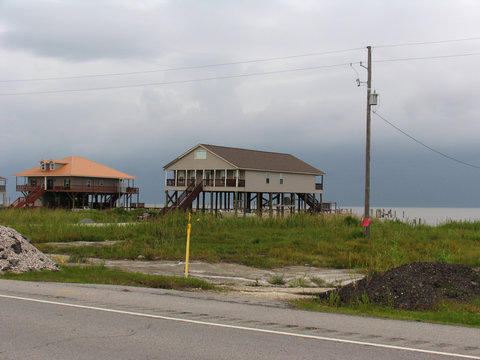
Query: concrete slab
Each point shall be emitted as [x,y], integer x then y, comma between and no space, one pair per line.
[298,281]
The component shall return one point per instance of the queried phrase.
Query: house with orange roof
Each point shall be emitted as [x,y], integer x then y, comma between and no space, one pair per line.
[74,182]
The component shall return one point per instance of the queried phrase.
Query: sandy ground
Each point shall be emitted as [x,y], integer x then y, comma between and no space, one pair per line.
[299,281]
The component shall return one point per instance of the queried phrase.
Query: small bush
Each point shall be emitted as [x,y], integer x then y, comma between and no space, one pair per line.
[277,280]
[334,299]
[318,281]
[351,221]
[298,282]
[357,234]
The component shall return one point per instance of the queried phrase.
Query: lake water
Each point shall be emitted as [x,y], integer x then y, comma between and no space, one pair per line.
[430,216]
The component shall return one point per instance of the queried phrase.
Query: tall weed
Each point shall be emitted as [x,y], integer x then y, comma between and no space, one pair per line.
[319,240]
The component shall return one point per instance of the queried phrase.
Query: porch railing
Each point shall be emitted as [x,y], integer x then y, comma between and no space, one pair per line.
[211,182]
[26,187]
[85,188]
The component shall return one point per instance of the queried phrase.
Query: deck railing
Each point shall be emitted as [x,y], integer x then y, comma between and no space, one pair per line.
[219,182]
[211,182]
[26,187]
[85,188]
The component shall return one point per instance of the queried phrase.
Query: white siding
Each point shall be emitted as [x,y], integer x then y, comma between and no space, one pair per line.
[211,162]
[292,183]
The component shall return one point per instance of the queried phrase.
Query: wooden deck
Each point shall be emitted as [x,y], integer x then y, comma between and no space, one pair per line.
[210,182]
[97,189]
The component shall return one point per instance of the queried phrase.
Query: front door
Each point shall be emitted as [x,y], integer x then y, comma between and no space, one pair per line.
[49,184]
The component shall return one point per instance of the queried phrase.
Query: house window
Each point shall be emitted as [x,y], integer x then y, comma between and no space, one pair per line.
[200,154]
[52,166]
[43,166]
[66,184]
[281,178]
[33,182]
[267,178]
[89,183]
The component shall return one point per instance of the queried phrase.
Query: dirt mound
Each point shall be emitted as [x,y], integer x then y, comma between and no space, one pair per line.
[18,255]
[416,286]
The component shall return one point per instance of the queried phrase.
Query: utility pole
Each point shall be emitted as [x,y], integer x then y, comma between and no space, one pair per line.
[366,216]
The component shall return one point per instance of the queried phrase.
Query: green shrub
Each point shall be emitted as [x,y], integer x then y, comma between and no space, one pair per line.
[277,280]
[351,221]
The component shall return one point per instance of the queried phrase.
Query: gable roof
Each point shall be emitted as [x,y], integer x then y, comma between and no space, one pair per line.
[257,160]
[77,166]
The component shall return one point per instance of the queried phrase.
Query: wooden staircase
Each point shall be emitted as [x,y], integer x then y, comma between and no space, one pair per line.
[29,200]
[315,205]
[185,200]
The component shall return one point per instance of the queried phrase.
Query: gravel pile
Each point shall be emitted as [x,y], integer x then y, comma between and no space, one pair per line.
[18,255]
[416,286]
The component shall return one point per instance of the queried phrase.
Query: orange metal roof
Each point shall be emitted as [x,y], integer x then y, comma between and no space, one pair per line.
[77,166]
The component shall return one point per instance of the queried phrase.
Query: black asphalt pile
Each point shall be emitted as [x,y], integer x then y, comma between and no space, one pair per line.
[18,255]
[416,286]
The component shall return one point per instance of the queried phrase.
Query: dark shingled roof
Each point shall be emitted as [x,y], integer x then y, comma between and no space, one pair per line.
[262,160]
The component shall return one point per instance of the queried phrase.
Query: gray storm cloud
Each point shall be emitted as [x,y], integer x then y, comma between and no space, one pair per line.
[278,105]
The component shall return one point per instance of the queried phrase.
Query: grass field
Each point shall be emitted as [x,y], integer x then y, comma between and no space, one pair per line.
[451,313]
[319,240]
[101,275]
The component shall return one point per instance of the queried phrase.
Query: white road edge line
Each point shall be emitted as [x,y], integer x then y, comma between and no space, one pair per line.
[236,327]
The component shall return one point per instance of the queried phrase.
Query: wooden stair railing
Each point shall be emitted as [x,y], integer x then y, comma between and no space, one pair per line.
[314,204]
[21,199]
[191,197]
[185,199]
[28,200]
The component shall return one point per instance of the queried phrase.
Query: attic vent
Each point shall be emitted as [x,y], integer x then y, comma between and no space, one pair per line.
[43,166]
[200,154]
[52,166]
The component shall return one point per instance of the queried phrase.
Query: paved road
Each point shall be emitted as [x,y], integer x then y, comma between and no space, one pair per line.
[67,321]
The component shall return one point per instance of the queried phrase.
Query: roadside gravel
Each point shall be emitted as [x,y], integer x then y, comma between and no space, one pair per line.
[18,255]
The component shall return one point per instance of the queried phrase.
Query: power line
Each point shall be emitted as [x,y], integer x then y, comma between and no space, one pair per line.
[178,81]
[428,57]
[229,76]
[218,77]
[427,42]
[184,67]
[237,62]
[424,145]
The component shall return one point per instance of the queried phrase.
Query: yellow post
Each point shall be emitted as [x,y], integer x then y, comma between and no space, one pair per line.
[187,255]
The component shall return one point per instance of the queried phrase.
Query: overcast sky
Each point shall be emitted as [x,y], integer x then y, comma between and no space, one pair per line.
[309,105]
